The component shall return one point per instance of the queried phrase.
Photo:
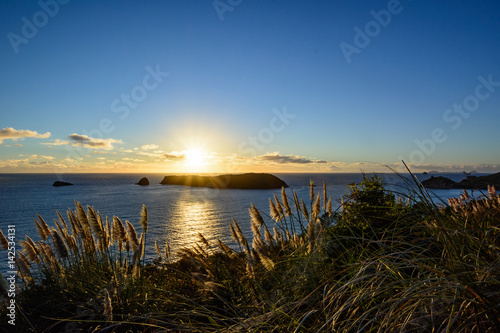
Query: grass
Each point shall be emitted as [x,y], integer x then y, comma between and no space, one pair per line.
[383,262]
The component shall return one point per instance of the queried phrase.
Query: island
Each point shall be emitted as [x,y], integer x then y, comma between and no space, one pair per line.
[240,181]
[471,182]
[143,182]
[60,183]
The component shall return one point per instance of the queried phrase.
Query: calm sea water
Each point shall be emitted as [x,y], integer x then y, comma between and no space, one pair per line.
[176,213]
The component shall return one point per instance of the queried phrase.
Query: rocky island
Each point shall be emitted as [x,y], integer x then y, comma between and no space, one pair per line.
[143,182]
[241,181]
[471,182]
[60,183]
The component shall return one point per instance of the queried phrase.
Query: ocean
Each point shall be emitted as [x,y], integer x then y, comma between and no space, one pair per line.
[176,213]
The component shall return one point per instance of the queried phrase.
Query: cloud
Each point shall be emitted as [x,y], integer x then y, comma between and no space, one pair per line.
[89,142]
[174,156]
[10,133]
[286,159]
[149,147]
[43,157]
[57,142]
[80,140]
[17,145]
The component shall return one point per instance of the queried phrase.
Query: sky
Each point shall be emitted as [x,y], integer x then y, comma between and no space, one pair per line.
[230,86]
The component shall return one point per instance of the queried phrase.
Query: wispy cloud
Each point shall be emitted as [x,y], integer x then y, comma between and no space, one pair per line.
[10,133]
[149,147]
[85,141]
[287,159]
[89,142]
[43,157]
[174,156]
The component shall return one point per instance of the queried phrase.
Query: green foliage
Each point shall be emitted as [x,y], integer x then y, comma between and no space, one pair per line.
[369,205]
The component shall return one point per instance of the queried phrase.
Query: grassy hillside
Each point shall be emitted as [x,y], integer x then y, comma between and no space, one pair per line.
[384,262]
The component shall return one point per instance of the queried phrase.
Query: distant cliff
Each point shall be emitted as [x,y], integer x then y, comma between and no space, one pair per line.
[242,181]
[471,182]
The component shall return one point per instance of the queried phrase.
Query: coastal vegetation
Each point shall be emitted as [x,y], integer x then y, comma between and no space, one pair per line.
[382,261]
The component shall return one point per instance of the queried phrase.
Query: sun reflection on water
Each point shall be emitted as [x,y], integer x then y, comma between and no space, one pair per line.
[189,218]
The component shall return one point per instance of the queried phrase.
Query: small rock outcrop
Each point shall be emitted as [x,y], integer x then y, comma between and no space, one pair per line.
[143,182]
[242,181]
[60,183]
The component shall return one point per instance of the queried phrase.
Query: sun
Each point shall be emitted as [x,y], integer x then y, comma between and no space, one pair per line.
[195,157]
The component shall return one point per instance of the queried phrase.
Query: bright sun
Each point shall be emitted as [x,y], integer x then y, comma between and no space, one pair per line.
[194,157]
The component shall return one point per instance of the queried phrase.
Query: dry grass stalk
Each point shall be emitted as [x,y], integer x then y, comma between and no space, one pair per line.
[82,217]
[41,231]
[255,230]
[305,212]
[167,250]
[233,232]
[279,207]
[273,211]
[316,207]
[329,207]
[45,227]
[157,249]
[76,226]
[286,205]
[311,190]
[29,250]
[255,216]
[108,308]
[120,231]
[325,197]
[23,264]
[203,240]
[226,249]
[144,219]
[132,235]
[492,193]
[3,241]
[59,244]
[63,222]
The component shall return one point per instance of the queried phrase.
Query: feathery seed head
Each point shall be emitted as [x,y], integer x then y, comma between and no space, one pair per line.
[144,219]
[132,235]
[3,241]
[59,244]
[286,205]
[255,215]
[274,212]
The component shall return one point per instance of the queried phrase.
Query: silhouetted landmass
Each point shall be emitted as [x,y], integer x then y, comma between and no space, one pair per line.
[144,181]
[242,181]
[471,182]
[59,183]
[439,182]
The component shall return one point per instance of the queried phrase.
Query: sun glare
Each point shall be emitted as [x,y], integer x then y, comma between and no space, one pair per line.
[195,157]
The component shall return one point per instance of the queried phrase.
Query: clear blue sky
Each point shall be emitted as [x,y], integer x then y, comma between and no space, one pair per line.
[251,85]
